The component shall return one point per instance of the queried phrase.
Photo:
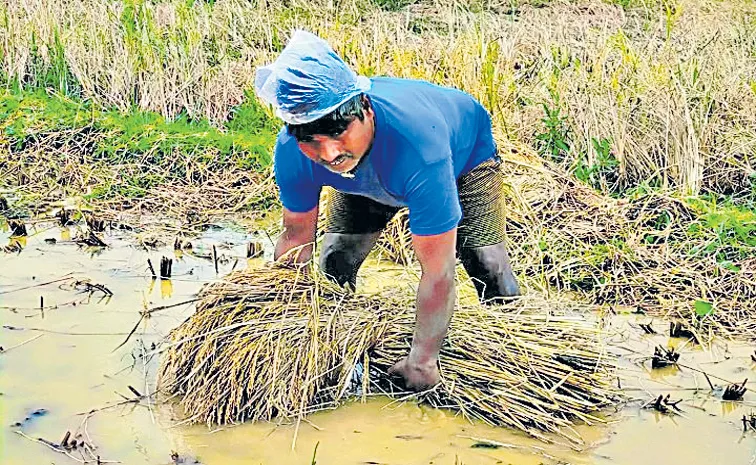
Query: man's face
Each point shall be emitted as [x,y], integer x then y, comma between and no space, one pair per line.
[341,154]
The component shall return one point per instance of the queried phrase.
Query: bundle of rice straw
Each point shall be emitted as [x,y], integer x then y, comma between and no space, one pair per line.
[279,342]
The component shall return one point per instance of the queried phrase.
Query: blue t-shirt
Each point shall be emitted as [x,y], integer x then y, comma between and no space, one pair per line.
[426,137]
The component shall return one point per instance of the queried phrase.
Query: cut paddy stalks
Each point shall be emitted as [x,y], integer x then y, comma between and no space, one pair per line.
[279,342]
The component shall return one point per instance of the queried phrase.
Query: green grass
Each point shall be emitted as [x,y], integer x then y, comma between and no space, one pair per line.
[246,141]
[152,150]
[554,139]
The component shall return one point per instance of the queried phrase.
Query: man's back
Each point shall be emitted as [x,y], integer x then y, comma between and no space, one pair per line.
[435,121]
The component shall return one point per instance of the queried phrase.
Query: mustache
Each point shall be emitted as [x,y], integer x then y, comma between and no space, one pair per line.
[340,157]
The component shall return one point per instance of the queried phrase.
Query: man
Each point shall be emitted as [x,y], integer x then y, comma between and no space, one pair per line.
[384,144]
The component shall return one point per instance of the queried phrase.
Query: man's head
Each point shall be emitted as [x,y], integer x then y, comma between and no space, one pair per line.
[340,139]
[321,100]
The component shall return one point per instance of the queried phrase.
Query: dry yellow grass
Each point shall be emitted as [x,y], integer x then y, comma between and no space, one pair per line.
[671,84]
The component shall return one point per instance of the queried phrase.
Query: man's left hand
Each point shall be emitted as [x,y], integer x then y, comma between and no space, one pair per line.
[417,376]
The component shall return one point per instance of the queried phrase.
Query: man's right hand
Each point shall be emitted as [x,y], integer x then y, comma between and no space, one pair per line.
[418,376]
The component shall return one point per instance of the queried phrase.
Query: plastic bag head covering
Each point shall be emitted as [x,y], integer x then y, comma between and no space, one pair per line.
[308,80]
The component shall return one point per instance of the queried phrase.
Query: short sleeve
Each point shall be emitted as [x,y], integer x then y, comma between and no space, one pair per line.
[296,184]
[433,200]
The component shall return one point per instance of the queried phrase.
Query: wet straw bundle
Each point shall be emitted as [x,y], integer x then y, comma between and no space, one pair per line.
[277,342]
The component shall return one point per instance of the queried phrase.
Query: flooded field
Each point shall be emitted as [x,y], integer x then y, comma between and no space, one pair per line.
[70,363]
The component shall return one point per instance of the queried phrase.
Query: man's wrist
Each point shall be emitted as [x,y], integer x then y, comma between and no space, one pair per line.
[423,355]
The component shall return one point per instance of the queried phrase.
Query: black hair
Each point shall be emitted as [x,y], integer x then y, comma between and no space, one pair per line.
[334,123]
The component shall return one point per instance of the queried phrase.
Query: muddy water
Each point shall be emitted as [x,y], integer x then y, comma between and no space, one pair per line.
[62,360]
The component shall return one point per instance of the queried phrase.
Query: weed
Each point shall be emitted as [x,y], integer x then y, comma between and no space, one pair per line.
[554,141]
[733,228]
[393,5]
[602,173]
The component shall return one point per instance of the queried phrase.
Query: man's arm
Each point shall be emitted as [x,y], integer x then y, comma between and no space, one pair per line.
[299,230]
[435,305]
